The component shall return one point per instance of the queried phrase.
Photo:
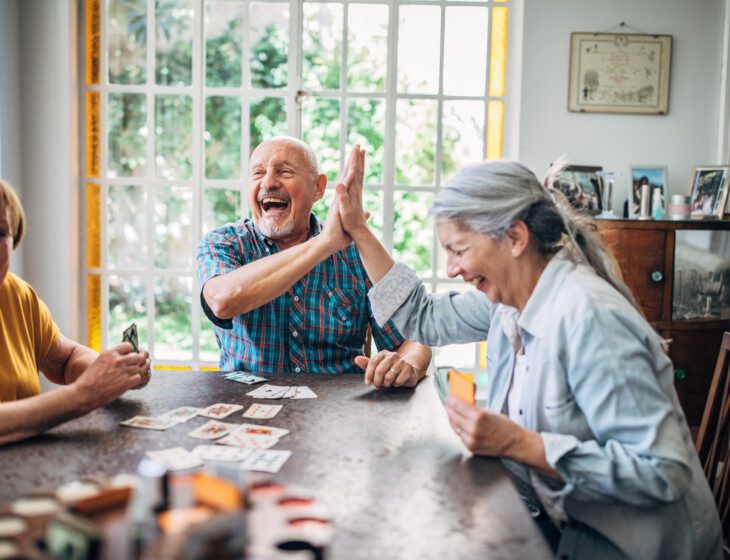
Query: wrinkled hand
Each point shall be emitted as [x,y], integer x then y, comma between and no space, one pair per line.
[388,369]
[113,373]
[349,193]
[482,431]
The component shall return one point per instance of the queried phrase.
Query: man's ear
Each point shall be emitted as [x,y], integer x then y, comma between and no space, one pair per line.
[319,186]
[519,237]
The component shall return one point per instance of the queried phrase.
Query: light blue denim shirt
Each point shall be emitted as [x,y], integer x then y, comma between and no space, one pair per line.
[599,389]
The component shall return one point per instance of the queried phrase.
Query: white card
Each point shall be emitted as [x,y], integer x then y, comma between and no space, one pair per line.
[220,410]
[304,392]
[259,431]
[289,393]
[181,414]
[247,440]
[212,430]
[221,453]
[245,377]
[265,460]
[149,423]
[268,391]
[262,411]
[176,458]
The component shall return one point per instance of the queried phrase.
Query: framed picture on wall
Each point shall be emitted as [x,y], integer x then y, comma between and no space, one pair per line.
[581,185]
[619,73]
[708,191]
[652,175]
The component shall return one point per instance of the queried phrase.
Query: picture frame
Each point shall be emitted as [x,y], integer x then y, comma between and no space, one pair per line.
[652,175]
[619,73]
[582,186]
[708,191]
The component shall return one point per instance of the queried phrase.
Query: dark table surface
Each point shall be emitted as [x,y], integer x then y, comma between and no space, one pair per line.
[396,480]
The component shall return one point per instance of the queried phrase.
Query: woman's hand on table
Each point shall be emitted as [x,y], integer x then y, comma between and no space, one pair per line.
[388,369]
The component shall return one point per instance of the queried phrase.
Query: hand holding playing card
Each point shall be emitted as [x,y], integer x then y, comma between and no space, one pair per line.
[388,369]
[130,335]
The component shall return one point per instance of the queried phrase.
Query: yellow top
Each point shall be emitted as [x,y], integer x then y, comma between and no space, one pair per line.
[27,333]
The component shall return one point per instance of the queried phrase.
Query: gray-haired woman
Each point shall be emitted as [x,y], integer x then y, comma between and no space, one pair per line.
[581,395]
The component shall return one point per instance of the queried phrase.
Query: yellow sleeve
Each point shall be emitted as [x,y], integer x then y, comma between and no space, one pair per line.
[46,333]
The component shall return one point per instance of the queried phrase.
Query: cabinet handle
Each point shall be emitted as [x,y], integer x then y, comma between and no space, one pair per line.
[657,276]
[680,374]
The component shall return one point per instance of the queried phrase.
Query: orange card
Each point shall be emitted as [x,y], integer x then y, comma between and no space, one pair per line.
[461,386]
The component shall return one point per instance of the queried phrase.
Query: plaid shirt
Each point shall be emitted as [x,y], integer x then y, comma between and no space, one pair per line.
[317,326]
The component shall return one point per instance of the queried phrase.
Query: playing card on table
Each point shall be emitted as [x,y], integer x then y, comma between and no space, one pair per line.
[221,453]
[265,460]
[212,430]
[245,377]
[262,411]
[176,458]
[181,414]
[130,335]
[256,430]
[149,423]
[220,410]
[304,392]
[268,392]
[249,440]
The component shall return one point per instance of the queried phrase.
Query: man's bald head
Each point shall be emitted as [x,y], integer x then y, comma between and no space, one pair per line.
[309,156]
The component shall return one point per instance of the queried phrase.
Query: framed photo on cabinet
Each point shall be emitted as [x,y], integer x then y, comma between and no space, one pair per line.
[708,191]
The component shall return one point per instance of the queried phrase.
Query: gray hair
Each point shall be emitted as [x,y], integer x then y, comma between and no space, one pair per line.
[309,155]
[490,196]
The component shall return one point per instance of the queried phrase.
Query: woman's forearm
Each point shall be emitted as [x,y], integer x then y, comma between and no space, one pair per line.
[374,257]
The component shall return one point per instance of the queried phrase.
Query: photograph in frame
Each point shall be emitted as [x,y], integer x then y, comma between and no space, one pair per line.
[619,73]
[652,175]
[582,186]
[708,191]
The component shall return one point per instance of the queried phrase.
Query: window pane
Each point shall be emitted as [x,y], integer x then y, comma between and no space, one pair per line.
[209,351]
[223,37]
[127,135]
[419,29]
[413,232]
[173,227]
[321,207]
[268,118]
[127,226]
[462,140]
[322,45]
[465,51]
[373,203]
[498,52]
[127,305]
[222,137]
[127,40]
[321,130]
[366,126]
[220,206]
[367,47]
[173,325]
[455,355]
[173,136]
[174,42]
[269,32]
[415,141]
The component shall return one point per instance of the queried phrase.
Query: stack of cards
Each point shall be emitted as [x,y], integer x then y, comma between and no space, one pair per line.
[282,392]
[245,377]
[130,335]
[254,436]
[451,381]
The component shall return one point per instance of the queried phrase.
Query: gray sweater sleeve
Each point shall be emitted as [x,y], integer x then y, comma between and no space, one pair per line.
[432,319]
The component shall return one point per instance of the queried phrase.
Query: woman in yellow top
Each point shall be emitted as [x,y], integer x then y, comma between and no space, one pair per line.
[30,342]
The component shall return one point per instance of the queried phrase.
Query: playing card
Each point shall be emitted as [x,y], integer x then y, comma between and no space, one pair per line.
[130,335]
[268,392]
[245,377]
[212,430]
[262,411]
[220,410]
[149,423]
[256,430]
[265,460]
[221,453]
[248,440]
[176,458]
[289,393]
[181,414]
[304,392]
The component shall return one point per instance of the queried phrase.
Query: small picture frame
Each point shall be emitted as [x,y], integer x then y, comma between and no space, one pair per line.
[582,186]
[708,191]
[652,175]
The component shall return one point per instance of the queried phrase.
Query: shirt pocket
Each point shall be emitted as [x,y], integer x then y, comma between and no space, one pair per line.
[344,307]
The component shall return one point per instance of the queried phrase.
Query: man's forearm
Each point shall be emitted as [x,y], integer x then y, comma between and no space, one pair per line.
[79,361]
[263,280]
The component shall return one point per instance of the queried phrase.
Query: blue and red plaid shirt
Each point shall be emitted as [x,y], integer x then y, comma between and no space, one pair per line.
[318,326]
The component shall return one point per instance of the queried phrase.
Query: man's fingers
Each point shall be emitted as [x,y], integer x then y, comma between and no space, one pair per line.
[362,361]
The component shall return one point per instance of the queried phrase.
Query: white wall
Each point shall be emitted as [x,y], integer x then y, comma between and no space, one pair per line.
[680,140]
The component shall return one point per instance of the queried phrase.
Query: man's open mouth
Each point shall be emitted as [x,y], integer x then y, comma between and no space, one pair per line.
[274,204]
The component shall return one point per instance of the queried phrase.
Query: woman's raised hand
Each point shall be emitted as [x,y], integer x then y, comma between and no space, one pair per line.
[349,193]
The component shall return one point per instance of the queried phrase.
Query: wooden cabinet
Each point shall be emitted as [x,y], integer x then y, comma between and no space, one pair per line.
[645,251]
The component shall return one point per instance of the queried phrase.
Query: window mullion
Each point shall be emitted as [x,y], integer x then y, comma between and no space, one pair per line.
[389,152]
[439,144]
[149,186]
[293,110]
[198,122]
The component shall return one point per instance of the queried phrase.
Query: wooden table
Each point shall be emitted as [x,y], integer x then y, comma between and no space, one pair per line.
[386,464]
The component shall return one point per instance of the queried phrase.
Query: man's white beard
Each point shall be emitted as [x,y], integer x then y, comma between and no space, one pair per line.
[276,232]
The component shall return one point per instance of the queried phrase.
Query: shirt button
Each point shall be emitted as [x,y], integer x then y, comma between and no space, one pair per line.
[268,242]
[297,369]
[344,318]
[267,249]
[296,298]
[295,334]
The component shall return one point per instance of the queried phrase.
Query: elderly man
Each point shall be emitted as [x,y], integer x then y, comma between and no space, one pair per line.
[288,293]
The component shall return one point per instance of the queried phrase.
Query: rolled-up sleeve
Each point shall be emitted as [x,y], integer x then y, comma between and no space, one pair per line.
[219,252]
[638,455]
